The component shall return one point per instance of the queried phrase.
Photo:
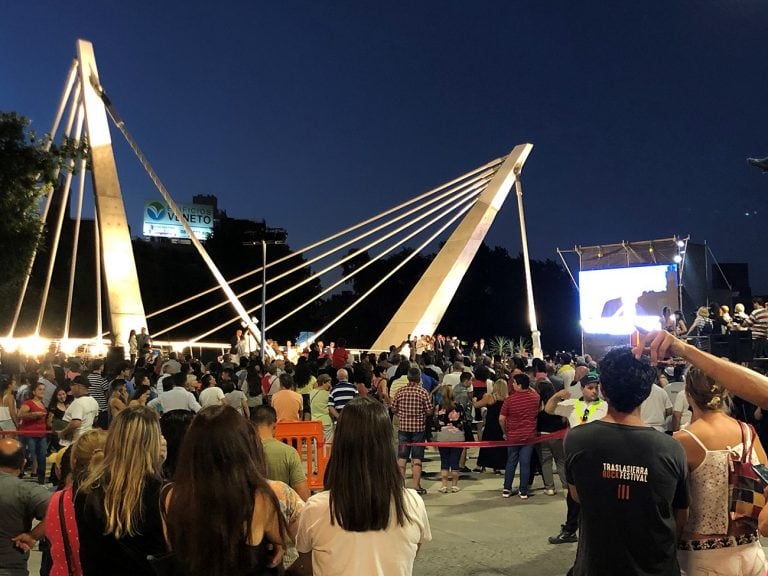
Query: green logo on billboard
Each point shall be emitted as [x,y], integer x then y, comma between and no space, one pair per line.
[156,210]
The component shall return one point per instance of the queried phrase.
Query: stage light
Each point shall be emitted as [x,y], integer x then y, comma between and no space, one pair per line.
[98,350]
[680,244]
[599,251]
[33,345]
[67,346]
[180,346]
[650,247]
[9,344]
[677,258]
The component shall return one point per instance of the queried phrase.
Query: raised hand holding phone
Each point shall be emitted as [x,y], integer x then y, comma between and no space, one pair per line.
[657,345]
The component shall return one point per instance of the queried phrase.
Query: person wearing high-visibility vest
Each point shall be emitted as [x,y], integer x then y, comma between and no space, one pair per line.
[588,408]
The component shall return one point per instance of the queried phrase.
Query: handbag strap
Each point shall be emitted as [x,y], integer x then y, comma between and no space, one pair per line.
[163,496]
[746,450]
[164,490]
[64,535]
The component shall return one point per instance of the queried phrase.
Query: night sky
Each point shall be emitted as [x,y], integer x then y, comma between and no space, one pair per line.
[315,115]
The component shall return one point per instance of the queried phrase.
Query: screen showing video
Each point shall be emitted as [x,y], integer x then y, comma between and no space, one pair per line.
[618,300]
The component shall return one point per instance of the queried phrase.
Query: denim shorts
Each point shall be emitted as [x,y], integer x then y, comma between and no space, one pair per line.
[414,452]
[449,458]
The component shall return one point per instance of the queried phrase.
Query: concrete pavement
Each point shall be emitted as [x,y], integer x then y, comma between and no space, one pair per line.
[476,532]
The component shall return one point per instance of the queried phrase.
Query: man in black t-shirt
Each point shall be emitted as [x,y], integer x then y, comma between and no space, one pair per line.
[629,478]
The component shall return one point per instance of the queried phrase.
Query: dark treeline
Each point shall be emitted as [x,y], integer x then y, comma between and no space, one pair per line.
[491,300]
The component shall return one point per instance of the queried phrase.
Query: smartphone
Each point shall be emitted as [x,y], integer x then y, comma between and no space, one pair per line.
[762,472]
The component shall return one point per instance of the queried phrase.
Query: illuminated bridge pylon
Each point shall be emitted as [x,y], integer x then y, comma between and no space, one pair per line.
[469,203]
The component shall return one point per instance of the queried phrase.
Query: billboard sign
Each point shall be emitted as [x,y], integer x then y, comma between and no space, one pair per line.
[161,222]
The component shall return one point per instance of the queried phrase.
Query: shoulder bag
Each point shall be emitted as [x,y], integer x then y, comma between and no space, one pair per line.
[746,498]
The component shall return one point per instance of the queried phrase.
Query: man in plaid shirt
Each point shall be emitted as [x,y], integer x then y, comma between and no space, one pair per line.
[412,405]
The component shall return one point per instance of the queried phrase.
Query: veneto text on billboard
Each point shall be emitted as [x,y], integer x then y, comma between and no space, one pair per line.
[161,222]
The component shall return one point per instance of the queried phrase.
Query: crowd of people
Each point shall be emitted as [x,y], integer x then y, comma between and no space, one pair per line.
[716,319]
[644,466]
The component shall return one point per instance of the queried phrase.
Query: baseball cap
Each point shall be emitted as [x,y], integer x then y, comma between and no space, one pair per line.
[591,379]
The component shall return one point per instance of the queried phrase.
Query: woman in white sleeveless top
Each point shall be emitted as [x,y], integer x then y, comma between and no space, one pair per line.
[714,541]
[8,415]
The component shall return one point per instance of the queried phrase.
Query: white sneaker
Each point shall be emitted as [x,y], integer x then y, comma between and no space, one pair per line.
[550,492]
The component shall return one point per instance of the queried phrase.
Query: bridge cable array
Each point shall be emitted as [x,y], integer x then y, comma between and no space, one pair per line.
[397,226]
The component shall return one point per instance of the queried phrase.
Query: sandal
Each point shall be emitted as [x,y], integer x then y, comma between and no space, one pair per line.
[420,490]
[455,489]
[443,489]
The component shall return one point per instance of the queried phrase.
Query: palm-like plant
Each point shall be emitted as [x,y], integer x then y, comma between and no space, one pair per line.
[501,345]
[523,346]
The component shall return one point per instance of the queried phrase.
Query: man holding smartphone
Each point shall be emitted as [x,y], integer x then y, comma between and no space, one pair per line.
[630,480]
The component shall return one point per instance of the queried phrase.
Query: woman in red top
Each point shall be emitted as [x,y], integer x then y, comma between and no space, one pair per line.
[33,430]
[61,528]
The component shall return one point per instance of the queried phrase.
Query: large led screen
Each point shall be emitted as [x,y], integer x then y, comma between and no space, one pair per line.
[618,300]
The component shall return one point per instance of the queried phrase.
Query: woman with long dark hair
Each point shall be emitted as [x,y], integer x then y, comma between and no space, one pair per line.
[379,389]
[366,522]
[58,405]
[222,517]
[174,425]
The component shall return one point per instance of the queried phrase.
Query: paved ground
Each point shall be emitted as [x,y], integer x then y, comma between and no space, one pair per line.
[476,532]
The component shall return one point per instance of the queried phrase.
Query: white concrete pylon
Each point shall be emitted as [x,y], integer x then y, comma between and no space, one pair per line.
[126,309]
[425,306]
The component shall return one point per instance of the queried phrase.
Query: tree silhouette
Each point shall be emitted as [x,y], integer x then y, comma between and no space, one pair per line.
[28,172]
